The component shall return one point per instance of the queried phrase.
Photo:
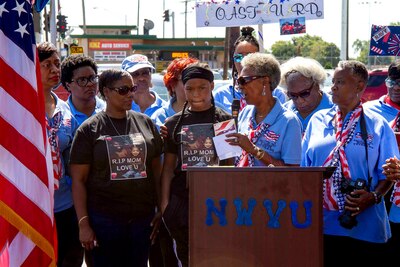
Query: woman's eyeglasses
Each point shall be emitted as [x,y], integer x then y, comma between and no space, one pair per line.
[391,83]
[238,58]
[124,90]
[303,94]
[83,81]
[243,80]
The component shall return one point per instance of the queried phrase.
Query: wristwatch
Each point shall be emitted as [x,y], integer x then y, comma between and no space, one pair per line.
[378,197]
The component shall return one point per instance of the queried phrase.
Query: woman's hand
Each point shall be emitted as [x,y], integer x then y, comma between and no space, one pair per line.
[392,169]
[87,235]
[164,131]
[238,139]
[155,223]
[359,200]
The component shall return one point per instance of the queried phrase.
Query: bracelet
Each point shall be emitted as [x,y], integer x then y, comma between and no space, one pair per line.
[81,219]
[260,153]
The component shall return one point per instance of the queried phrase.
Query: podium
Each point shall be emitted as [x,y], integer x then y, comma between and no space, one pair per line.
[256,216]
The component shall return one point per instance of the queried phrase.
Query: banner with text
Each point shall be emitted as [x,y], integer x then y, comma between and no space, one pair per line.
[231,13]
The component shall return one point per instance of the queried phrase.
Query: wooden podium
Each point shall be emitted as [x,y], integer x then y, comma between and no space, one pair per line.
[256,216]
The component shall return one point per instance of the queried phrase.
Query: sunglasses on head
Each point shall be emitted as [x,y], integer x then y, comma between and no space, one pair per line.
[123,90]
[243,80]
[238,57]
[303,94]
[391,83]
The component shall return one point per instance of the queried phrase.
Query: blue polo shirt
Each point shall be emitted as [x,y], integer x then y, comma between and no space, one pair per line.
[158,103]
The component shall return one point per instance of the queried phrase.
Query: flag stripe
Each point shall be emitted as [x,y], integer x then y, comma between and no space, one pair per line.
[29,99]
[23,150]
[23,66]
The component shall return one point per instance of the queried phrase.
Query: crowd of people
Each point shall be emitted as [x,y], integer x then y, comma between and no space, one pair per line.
[131,209]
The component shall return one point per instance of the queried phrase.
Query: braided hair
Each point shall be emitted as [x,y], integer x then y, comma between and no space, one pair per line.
[205,67]
[247,35]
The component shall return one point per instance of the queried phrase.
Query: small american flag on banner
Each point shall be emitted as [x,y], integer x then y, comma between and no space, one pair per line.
[26,175]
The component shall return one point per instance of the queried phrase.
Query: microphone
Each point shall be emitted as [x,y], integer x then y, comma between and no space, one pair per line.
[235,111]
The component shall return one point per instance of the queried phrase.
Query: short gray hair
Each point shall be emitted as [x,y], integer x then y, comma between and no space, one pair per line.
[308,67]
[263,65]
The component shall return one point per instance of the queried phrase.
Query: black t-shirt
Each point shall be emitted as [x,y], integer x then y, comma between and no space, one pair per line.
[114,150]
[204,119]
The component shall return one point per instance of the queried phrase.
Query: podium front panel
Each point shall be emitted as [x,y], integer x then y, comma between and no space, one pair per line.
[255,216]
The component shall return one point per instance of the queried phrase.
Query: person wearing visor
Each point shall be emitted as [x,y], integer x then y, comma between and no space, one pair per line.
[144,100]
[116,209]
[244,45]
[269,134]
[388,106]
[303,79]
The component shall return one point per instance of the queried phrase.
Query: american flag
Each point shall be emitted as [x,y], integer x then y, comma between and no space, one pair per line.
[26,175]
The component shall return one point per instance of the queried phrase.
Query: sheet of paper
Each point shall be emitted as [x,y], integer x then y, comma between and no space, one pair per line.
[224,149]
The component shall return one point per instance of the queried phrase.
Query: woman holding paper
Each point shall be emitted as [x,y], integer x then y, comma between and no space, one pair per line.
[268,134]
[197,117]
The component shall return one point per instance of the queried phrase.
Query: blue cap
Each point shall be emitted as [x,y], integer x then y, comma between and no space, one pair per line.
[136,62]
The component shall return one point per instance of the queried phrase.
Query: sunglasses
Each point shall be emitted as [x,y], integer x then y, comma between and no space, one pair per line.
[391,83]
[303,94]
[243,80]
[124,90]
[238,58]
[83,81]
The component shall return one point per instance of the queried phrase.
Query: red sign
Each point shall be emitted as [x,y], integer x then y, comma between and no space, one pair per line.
[110,45]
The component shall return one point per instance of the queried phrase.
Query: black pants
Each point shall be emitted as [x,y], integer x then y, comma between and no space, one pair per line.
[346,251]
[70,251]
[162,253]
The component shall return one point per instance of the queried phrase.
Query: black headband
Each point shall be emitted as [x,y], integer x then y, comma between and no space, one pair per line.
[197,72]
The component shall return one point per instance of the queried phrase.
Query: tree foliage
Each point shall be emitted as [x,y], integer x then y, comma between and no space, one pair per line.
[328,54]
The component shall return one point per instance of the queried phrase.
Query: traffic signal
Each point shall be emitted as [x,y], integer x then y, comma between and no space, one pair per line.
[46,22]
[62,25]
[166,15]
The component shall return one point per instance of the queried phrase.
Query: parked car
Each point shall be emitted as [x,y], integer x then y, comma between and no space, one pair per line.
[61,92]
[159,86]
[376,85]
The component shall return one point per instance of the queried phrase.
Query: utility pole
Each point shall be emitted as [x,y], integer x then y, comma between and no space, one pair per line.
[186,1]
[173,24]
[84,16]
[344,54]
[163,25]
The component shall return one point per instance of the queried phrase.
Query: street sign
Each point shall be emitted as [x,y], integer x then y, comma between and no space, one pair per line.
[76,49]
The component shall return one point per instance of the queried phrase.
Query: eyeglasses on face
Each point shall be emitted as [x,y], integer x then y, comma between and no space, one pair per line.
[83,81]
[243,80]
[303,94]
[238,58]
[145,72]
[391,83]
[124,90]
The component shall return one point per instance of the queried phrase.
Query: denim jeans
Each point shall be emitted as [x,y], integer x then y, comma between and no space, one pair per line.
[121,243]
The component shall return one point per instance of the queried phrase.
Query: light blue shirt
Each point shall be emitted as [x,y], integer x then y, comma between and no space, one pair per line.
[326,102]
[224,96]
[81,117]
[65,134]
[158,103]
[389,113]
[283,137]
[319,140]
[160,115]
